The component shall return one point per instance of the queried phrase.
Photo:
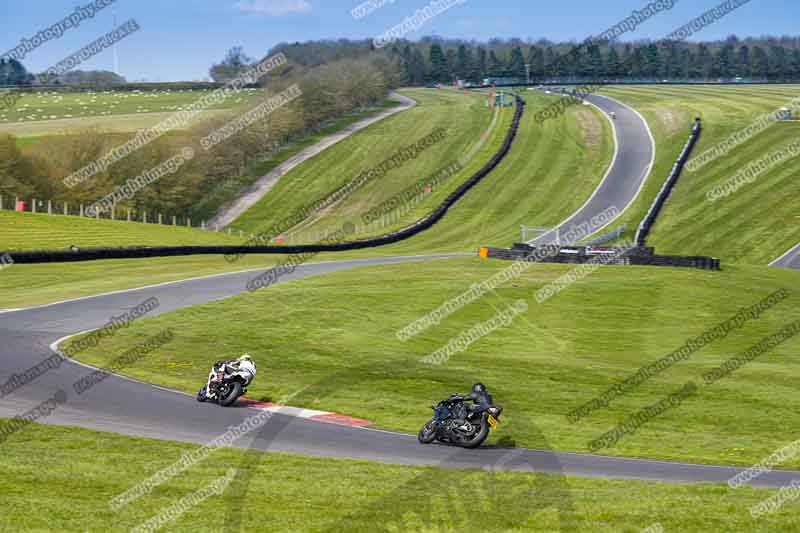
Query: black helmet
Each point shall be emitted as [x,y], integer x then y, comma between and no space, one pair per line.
[479,388]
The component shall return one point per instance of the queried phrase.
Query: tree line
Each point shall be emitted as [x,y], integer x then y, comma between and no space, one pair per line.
[434,60]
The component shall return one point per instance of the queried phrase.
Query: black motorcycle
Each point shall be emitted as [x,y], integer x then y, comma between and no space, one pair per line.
[455,423]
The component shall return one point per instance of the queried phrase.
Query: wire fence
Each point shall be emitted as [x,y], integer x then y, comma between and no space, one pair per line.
[304,233]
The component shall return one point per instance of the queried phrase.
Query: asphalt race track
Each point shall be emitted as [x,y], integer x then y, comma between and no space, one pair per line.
[632,162]
[790,259]
[128,407]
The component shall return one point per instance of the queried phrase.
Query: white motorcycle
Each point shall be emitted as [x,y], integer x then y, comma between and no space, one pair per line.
[228,380]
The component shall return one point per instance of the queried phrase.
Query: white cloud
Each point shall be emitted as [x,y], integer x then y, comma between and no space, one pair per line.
[275,8]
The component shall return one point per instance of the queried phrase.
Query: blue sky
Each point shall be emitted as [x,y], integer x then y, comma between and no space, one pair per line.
[180,39]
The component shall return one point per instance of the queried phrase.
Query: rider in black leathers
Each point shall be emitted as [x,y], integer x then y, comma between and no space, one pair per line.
[479,396]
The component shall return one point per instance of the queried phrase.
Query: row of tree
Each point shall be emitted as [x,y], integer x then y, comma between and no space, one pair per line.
[328,91]
[434,60]
[14,73]
[648,61]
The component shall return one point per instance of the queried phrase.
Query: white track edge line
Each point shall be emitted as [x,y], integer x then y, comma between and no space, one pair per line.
[611,166]
[789,251]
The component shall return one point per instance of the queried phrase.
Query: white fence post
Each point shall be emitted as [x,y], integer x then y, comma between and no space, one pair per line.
[66,208]
[33,205]
[81,209]
[49,207]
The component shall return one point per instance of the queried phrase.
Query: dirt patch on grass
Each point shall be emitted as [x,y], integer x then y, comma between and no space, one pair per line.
[591,127]
[672,120]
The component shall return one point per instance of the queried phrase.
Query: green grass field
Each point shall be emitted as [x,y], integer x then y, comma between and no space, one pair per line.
[61,479]
[337,333]
[42,114]
[41,106]
[754,225]
[28,231]
[464,117]
[228,191]
[548,174]
[27,285]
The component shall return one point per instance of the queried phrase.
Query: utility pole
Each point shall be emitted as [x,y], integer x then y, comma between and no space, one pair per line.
[116,55]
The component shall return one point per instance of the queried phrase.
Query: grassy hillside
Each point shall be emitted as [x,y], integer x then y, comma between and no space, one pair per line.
[464,117]
[28,231]
[549,173]
[338,331]
[63,479]
[754,225]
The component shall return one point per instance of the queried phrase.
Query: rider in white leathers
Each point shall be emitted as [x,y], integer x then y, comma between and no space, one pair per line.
[244,366]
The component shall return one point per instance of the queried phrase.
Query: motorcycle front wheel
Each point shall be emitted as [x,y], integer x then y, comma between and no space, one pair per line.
[234,391]
[427,434]
[201,396]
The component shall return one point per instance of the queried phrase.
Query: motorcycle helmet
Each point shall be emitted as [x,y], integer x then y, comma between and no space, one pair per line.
[479,388]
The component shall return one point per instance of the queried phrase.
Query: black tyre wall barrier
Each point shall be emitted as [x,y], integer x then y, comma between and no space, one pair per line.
[652,214]
[637,256]
[425,223]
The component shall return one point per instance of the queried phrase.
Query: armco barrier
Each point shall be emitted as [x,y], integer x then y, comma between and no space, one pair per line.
[652,214]
[579,255]
[435,216]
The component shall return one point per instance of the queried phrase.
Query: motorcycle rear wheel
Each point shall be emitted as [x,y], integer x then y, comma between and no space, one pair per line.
[232,396]
[479,437]
[427,434]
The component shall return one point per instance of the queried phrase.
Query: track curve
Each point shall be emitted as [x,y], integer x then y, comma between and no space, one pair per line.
[133,408]
[790,259]
[629,169]
[129,407]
